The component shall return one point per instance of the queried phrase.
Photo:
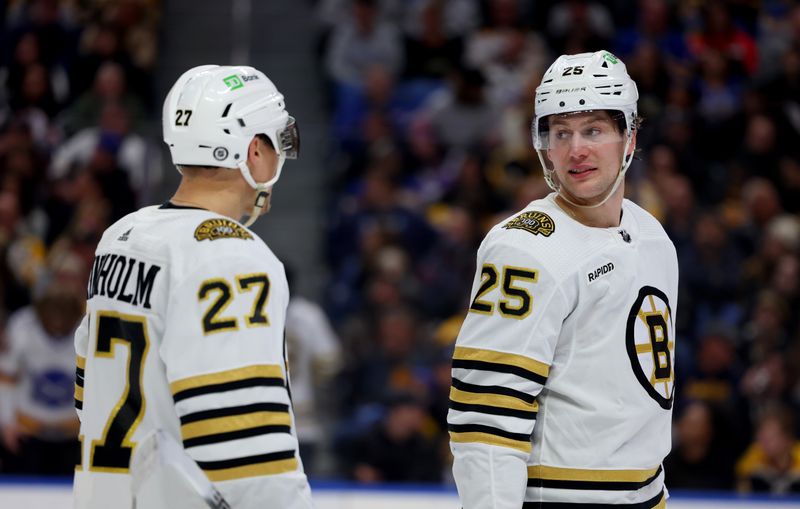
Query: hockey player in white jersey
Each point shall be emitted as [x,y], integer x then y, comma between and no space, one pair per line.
[184,329]
[563,370]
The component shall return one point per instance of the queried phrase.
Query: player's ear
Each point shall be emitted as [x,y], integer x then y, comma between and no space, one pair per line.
[632,146]
[253,150]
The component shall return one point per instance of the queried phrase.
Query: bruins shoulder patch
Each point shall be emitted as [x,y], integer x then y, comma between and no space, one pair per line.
[535,222]
[220,228]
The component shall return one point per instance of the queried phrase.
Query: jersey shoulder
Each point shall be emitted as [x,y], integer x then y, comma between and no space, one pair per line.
[185,238]
[649,226]
[542,232]
[22,322]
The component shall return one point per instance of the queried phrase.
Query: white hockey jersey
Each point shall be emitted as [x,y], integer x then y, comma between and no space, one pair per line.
[184,331]
[563,370]
[37,372]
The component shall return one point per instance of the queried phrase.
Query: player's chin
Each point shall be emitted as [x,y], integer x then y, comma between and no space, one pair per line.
[584,196]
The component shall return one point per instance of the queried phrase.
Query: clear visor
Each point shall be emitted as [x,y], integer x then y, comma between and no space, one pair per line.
[562,137]
[289,139]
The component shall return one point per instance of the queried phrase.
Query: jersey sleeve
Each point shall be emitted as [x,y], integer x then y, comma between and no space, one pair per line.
[223,350]
[81,349]
[501,363]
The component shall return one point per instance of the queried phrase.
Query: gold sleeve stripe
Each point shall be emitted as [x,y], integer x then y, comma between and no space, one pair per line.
[486,438]
[497,400]
[239,422]
[78,393]
[252,466]
[573,474]
[495,357]
[271,468]
[233,375]
[80,361]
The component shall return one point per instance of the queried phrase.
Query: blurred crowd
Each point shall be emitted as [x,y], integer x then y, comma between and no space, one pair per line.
[77,101]
[431,103]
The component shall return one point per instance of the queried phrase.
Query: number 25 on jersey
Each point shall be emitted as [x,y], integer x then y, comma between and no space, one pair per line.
[517,300]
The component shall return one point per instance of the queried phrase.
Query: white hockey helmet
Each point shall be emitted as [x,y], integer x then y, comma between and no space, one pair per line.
[212,113]
[579,83]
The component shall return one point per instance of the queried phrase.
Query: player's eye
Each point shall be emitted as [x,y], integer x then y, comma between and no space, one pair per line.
[593,132]
[562,134]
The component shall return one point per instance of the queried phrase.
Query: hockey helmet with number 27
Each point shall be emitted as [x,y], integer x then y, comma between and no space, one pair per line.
[579,83]
[212,113]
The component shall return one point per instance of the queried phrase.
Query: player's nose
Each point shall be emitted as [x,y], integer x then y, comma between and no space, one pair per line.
[578,147]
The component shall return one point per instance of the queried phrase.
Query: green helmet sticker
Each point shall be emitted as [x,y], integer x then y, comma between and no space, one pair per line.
[608,57]
[233,82]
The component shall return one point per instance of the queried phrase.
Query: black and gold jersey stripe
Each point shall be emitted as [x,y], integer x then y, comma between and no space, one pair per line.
[212,426]
[492,400]
[479,433]
[657,502]
[491,360]
[232,423]
[80,372]
[250,466]
[579,479]
[263,375]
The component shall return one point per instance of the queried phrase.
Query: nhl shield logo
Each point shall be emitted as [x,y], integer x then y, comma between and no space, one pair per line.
[535,222]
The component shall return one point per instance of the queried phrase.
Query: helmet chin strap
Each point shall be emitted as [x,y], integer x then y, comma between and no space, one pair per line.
[262,189]
[626,162]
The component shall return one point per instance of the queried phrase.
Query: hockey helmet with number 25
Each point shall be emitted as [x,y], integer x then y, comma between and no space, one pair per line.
[579,83]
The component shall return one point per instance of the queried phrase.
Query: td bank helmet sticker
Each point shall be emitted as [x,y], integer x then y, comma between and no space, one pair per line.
[651,348]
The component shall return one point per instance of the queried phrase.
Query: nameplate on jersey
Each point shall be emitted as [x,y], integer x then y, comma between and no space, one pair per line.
[601,271]
[221,228]
[123,278]
[535,222]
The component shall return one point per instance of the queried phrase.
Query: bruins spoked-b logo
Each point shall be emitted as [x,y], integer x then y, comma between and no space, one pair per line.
[534,222]
[651,347]
[220,228]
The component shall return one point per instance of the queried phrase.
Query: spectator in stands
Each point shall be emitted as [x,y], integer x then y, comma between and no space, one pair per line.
[578,26]
[113,132]
[431,52]
[361,41]
[463,117]
[511,58]
[720,33]
[789,187]
[709,273]
[701,459]
[397,449]
[713,375]
[762,204]
[772,462]
[448,267]
[655,25]
[109,86]
[37,418]
[393,362]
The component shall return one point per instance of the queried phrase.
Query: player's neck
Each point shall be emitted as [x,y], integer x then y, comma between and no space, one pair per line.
[607,215]
[224,200]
